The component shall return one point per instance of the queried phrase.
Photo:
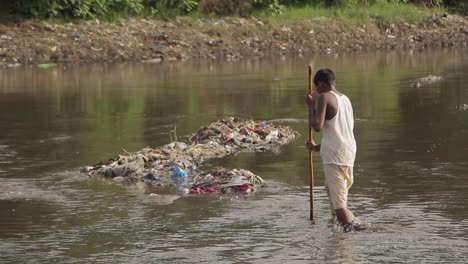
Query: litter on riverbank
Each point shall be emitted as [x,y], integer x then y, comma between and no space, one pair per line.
[157,167]
[156,41]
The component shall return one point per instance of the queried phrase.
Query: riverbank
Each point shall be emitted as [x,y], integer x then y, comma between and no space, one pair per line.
[156,41]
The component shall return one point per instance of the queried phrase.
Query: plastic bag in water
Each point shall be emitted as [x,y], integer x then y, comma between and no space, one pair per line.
[180,179]
[179,173]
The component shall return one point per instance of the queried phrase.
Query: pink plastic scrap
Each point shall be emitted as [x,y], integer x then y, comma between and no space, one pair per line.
[197,190]
[229,136]
[211,190]
[200,190]
[245,188]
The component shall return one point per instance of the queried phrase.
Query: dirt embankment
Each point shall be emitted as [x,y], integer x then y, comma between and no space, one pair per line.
[138,39]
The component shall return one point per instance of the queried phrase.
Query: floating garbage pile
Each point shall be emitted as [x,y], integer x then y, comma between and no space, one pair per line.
[221,180]
[234,134]
[424,81]
[177,164]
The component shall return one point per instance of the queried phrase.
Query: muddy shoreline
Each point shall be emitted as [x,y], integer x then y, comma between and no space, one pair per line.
[155,41]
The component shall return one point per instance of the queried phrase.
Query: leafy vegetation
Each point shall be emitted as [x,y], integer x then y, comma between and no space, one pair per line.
[114,8]
[384,12]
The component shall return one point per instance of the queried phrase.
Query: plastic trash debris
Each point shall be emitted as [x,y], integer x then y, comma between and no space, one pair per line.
[230,136]
[430,79]
[463,107]
[178,173]
[245,188]
[247,139]
[180,180]
[273,134]
[201,190]
[170,165]
[226,181]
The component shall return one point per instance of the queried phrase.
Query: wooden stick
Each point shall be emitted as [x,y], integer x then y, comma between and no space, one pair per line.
[311,162]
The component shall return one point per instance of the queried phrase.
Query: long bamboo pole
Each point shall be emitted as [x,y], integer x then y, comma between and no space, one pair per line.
[311,162]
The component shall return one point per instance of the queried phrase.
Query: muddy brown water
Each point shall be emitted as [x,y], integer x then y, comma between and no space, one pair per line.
[410,174]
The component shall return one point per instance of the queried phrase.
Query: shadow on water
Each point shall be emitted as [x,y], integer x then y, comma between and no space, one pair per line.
[410,169]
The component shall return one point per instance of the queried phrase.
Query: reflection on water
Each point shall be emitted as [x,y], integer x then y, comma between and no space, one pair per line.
[410,171]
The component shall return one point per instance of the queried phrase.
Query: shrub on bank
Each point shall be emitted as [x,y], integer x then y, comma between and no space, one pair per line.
[76,8]
[114,8]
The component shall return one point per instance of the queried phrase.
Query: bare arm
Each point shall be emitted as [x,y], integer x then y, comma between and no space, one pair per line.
[317,115]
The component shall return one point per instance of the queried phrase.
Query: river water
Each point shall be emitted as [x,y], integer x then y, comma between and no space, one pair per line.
[410,174]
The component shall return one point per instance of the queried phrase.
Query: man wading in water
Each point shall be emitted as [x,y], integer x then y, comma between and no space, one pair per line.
[334,113]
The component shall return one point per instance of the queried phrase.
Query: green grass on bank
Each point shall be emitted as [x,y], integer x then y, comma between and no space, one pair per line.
[352,13]
[385,12]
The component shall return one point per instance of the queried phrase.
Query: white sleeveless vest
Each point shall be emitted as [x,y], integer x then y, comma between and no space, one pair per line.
[338,143]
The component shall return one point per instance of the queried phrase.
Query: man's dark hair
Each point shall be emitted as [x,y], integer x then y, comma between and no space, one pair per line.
[324,75]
